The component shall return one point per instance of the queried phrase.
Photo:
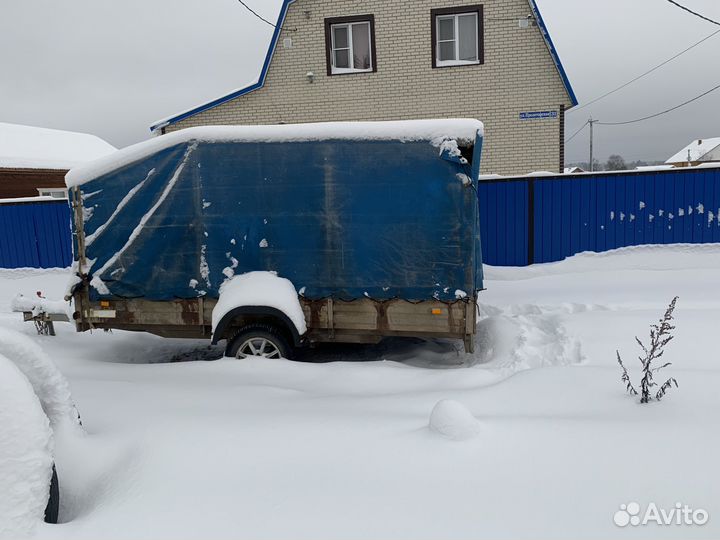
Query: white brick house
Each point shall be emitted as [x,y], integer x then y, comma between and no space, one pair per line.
[404,59]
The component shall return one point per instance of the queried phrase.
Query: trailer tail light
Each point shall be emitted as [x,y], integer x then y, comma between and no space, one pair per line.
[437,311]
[104,304]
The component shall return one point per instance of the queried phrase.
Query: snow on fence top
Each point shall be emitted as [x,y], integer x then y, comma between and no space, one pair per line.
[437,131]
[38,199]
[571,176]
[27,147]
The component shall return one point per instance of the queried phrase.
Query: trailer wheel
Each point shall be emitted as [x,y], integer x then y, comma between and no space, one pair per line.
[261,340]
[53,505]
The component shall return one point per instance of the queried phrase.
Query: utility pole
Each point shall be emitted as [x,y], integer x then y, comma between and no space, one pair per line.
[592,164]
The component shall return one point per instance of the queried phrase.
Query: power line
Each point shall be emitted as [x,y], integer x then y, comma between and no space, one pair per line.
[660,113]
[576,133]
[263,19]
[693,12]
[644,74]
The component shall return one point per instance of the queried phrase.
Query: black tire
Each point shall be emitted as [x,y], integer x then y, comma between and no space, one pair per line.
[257,333]
[53,506]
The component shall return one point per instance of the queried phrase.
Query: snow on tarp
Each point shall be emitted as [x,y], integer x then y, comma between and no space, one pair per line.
[345,218]
[30,147]
[48,383]
[260,289]
[26,449]
[464,130]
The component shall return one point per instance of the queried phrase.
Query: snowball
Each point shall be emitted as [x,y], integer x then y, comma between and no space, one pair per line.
[452,420]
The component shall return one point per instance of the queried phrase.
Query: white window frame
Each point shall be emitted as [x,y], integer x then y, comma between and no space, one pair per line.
[456,22]
[349,26]
[56,193]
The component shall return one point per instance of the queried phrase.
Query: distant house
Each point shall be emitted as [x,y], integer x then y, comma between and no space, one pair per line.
[399,60]
[573,170]
[33,161]
[697,152]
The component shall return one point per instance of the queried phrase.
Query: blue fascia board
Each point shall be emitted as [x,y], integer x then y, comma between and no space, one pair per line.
[242,91]
[553,52]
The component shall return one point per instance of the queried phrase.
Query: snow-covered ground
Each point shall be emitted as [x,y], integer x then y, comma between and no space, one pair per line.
[179,447]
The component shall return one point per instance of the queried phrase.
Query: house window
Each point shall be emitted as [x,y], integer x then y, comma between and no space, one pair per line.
[350,43]
[57,193]
[457,35]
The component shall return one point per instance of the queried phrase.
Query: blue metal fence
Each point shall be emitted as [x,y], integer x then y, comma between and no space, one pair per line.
[523,220]
[545,219]
[35,235]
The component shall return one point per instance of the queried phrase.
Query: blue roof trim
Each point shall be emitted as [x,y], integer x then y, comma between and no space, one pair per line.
[553,52]
[242,91]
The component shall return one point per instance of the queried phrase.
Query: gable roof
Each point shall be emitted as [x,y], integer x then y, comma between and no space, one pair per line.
[697,150]
[553,52]
[27,147]
[273,44]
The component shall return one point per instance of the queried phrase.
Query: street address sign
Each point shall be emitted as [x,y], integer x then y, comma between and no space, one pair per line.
[538,115]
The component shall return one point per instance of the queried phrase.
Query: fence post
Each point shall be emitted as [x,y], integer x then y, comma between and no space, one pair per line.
[531,221]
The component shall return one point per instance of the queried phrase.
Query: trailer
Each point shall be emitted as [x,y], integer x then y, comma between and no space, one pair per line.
[371,227]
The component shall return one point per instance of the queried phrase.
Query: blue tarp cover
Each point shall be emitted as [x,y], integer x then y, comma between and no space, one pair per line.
[339,218]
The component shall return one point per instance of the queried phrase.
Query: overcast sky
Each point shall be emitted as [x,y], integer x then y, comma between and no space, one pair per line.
[112,68]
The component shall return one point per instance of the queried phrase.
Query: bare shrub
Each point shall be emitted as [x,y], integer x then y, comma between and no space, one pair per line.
[660,336]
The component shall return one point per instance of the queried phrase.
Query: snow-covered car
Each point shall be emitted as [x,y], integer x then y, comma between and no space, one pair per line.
[35,404]
[27,471]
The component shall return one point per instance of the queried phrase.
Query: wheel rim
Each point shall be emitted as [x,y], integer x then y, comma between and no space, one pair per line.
[258,346]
